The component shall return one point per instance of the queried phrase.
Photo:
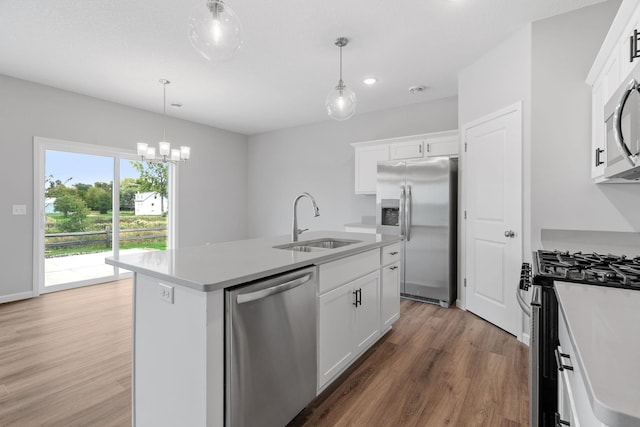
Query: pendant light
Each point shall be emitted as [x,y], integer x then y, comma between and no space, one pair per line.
[341,101]
[166,153]
[214,30]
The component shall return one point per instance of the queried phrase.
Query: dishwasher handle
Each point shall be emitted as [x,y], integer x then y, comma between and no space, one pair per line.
[263,293]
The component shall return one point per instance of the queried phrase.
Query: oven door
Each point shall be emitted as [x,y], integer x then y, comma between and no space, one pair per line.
[622,122]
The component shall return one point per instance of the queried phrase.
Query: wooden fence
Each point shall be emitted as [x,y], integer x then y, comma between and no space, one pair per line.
[84,237]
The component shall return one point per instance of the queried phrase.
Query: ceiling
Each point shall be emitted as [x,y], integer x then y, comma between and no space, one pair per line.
[117,50]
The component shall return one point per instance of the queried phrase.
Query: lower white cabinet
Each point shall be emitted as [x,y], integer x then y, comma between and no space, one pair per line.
[573,401]
[349,322]
[390,295]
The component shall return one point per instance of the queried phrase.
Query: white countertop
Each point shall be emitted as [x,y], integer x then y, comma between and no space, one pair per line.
[604,329]
[211,267]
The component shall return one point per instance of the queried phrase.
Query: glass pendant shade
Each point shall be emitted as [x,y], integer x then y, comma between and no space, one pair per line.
[214,30]
[341,102]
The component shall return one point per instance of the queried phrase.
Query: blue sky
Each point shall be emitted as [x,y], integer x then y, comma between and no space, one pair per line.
[84,168]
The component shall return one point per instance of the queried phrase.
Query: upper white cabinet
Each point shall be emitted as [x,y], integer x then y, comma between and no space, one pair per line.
[367,158]
[441,145]
[369,153]
[406,150]
[609,70]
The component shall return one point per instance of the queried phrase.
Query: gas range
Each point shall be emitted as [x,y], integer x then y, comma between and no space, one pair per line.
[588,268]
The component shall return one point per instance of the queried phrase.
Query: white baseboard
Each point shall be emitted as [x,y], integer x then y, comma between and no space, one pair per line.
[460,305]
[16,297]
[525,338]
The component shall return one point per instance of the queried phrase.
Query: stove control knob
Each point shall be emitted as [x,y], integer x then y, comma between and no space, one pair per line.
[510,233]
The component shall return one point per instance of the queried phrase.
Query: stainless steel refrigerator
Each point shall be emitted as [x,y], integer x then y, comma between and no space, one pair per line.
[418,200]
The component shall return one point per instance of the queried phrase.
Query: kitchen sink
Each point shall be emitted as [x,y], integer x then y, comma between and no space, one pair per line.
[317,245]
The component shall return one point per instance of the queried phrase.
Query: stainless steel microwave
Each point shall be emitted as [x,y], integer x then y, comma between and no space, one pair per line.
[622,122]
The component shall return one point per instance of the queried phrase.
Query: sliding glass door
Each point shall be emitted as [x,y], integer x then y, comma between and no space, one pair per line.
[93,202]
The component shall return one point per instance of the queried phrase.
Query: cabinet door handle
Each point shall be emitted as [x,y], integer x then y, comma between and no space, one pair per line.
[598,152]
[358,295]
[560,422]
[559,356]
[394,267]
[393,253]
[428,148]
[420,148]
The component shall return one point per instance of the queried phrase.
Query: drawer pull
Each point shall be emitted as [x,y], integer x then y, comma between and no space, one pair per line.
[393,253]
[395,267]
[562,366]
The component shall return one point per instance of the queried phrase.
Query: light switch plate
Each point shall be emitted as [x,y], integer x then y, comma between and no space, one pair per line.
[19,209]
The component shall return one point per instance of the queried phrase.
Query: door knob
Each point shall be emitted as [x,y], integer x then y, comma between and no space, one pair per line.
[510,234]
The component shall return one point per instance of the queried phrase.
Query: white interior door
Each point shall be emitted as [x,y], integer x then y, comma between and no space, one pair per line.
[493,180]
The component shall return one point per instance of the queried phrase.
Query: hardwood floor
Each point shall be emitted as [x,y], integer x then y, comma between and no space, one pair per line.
[437,367]
[65,360]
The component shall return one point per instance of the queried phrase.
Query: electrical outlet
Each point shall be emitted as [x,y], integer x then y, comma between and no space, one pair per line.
[166,293]
[19,209]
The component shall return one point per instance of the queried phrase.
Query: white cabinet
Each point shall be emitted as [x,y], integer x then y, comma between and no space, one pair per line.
[442,146]
[366,166]
[335,344]
[573,401]
[348,323]
[609,70]
[390,286]
[390,295]
[598,146]
[366,311]
[406,150]
[354,305]
[369,153]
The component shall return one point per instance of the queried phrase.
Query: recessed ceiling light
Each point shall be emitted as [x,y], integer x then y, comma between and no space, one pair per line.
[370,81]
[416,90]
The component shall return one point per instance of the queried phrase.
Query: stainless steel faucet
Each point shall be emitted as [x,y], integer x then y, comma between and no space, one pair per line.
[316,212]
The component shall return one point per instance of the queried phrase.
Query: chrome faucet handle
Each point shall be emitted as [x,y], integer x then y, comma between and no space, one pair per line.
[302,231]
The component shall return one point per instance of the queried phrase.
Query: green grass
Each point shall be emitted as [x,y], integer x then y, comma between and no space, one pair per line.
[98,222]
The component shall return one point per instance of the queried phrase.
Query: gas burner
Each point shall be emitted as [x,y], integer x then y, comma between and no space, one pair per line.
[590,268]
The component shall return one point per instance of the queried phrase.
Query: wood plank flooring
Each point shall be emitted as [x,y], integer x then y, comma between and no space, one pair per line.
[436,367]
[65,360]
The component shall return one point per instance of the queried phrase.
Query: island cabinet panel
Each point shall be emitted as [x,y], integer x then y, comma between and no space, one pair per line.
[348,323]
[334,332]
[178,367]
[390,295]
[366,321]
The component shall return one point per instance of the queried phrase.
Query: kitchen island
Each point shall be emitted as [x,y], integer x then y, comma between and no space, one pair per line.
[179,315]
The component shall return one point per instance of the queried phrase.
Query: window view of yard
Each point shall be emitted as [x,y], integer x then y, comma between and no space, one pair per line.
[79,216]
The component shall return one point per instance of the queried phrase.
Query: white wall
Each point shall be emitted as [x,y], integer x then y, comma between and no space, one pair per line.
[497,80]
[563,196]
[318,159]
[212,185]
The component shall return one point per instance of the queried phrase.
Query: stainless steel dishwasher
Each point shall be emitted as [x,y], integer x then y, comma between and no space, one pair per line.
[270,349]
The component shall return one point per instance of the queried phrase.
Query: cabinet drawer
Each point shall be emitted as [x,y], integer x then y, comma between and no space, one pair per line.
[336,273]
[390,254]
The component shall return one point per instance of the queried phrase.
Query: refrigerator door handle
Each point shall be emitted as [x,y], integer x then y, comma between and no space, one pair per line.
[407,213]
[401,213]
